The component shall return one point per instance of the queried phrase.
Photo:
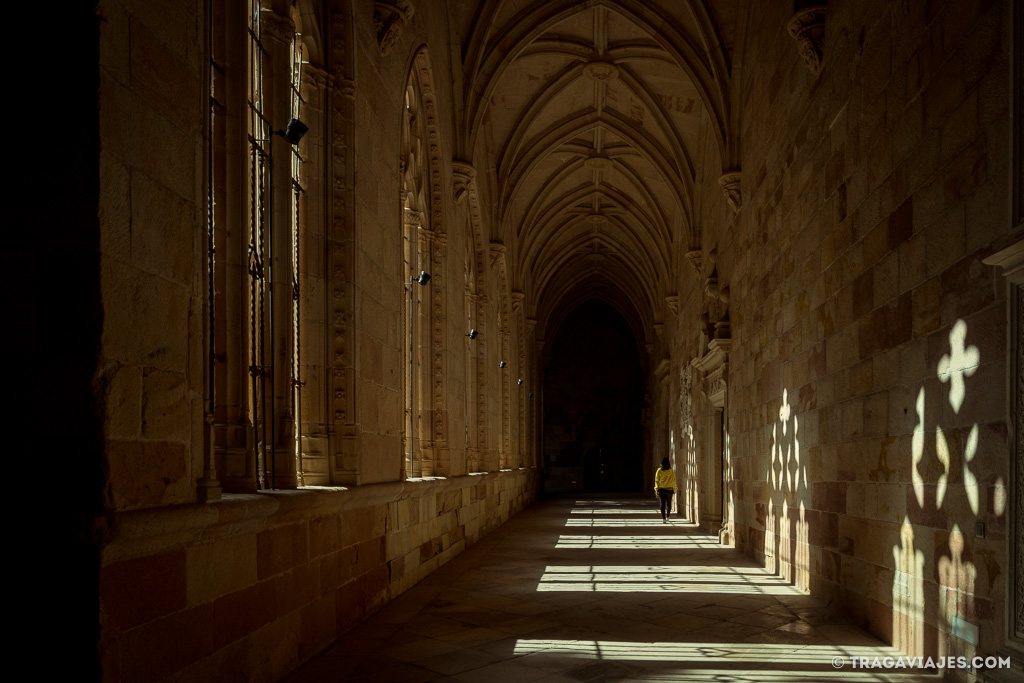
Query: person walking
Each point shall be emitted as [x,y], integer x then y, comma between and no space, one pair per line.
[665,488]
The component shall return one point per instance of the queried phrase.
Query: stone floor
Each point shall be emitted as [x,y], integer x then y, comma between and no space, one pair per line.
[599,589]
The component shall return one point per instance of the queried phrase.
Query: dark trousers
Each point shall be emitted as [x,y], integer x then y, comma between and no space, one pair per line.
[666,501]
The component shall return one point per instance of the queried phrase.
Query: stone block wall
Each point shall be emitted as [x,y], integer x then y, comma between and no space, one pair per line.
[866,411]
[256,584]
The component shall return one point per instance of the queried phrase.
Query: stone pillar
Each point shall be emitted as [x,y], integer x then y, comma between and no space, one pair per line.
[234,456]
[437,314]
[343,429]
[313,393]
[1011,260]
[422,452]
[715,368]
[483,462]
[277,34]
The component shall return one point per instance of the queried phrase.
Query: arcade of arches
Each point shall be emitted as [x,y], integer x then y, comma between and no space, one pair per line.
[778,243]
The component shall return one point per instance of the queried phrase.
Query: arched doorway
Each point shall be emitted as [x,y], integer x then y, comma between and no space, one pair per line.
[593,400]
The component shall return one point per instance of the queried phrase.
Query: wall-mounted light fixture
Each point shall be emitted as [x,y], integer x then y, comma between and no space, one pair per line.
[520,382]
[502,364]
[472,334]
[293,131]
[422,279]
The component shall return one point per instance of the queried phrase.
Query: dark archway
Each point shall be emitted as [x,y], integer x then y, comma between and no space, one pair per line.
[593,400]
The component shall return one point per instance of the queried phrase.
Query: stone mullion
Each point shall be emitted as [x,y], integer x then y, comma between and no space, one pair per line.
[236,468]
[277,33]
[340,246]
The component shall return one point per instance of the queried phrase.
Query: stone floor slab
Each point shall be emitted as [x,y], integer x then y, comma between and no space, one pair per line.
[599,590]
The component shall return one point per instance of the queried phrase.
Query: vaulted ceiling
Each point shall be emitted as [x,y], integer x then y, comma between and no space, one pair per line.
[584,119]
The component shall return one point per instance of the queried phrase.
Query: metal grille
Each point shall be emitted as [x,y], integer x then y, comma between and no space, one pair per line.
[259,245]
[297,191]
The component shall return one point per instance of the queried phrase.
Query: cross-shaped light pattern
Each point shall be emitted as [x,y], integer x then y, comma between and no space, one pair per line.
[962,361]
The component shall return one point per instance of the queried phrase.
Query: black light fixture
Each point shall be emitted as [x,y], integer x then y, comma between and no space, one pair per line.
[520,382]
[423,278]
[531,394]
[501,364]
[293,131]
[472,334]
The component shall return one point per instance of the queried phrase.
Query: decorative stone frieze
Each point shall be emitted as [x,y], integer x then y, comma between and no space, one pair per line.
[730,184]
[600,71]
[807,28]
[389,20]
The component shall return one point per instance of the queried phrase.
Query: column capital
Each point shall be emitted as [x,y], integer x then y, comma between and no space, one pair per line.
[730,184]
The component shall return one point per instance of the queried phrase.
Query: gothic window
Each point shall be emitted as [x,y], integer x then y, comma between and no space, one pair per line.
[415,303]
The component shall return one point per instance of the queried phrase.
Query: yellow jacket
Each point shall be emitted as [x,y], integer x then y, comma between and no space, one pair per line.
[664,479]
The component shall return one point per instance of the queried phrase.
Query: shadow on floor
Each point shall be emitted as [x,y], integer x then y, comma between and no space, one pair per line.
[597,588]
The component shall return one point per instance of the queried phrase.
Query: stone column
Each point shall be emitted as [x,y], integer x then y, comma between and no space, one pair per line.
[1011,260]
[235,457]
[422,418]
[343,429]
[277,34]
[313,393]
[438,336]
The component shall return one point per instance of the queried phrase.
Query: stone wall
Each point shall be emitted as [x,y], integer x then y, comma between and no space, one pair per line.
[866,407]
[256,584]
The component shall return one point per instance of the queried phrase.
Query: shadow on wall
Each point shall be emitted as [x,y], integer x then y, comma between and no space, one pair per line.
[943,564]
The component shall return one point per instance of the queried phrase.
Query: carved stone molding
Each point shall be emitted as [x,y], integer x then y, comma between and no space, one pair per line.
[531,325]
[277,28]
[715,366]
[497,252]
[659,329]
[316,78]
[730,184]
[807,28]
[517,301]
[673,303]
[600,71]
[346,87]
[694,256]
[413,218]
[389,19]
[598,162]
[463,174]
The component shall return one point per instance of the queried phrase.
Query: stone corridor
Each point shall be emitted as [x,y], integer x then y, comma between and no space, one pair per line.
[598,589]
